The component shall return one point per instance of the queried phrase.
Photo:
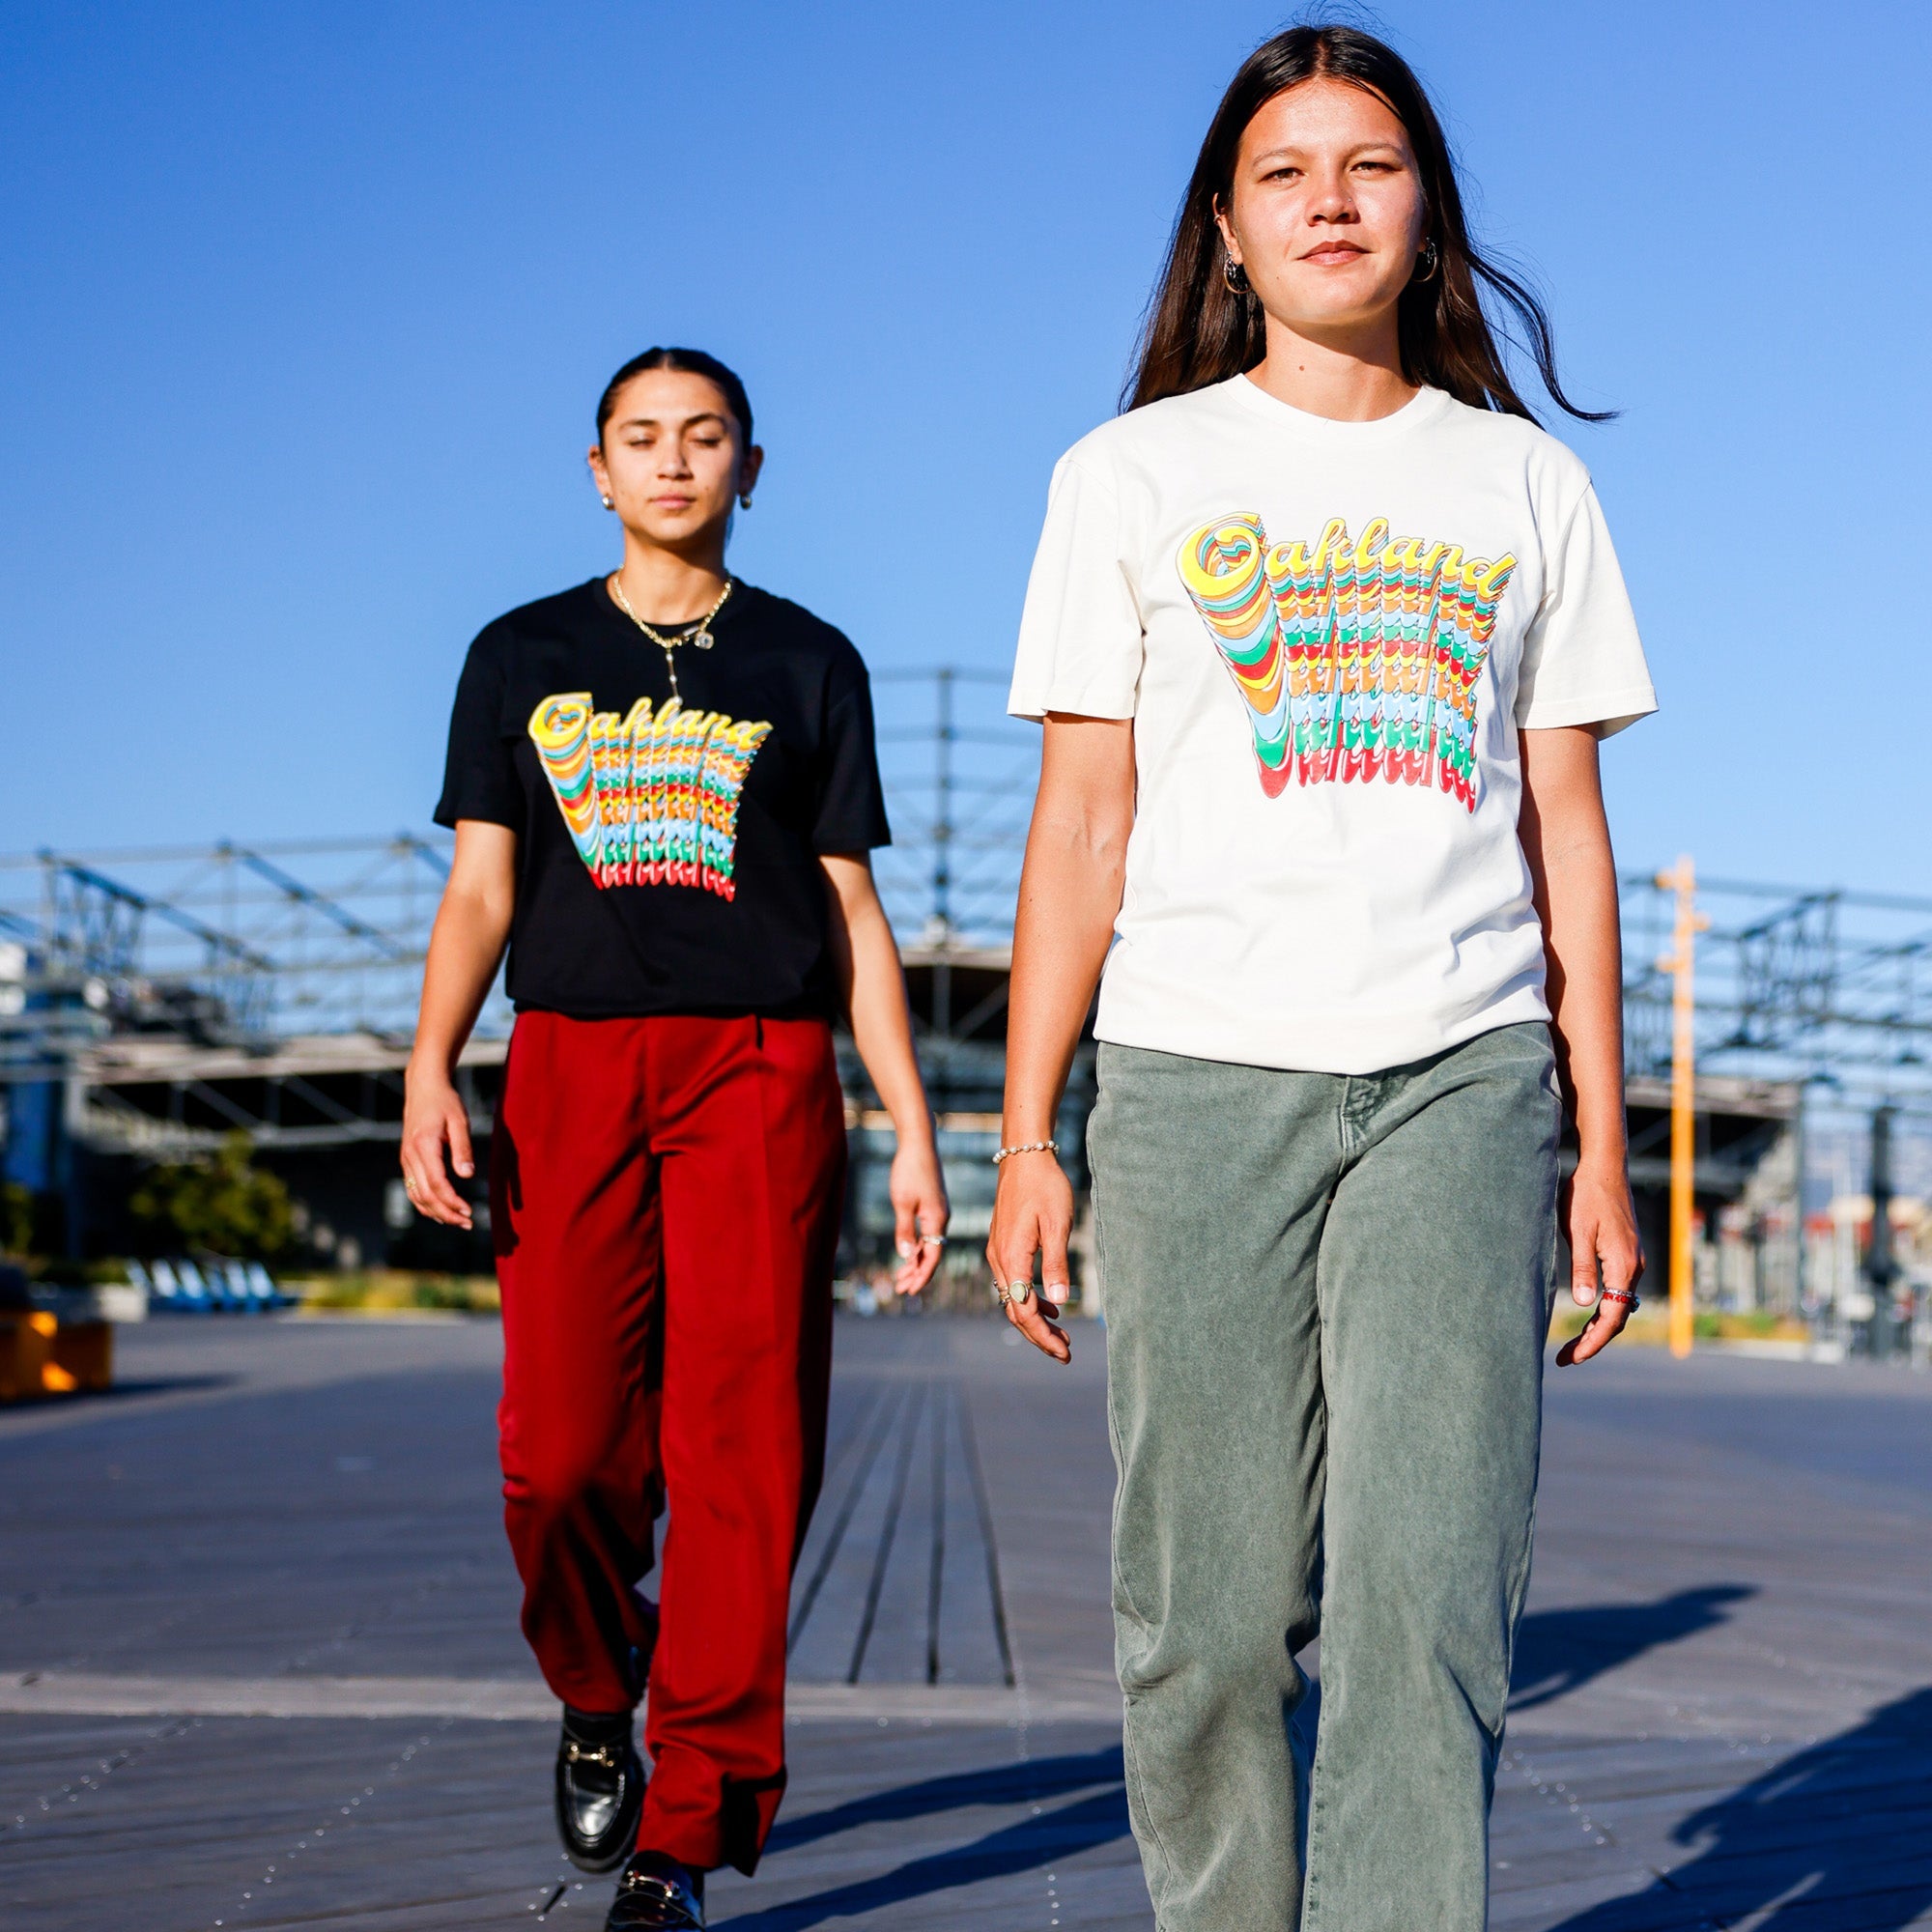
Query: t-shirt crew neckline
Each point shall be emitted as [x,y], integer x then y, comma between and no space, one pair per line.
[599,588]
[1421,409]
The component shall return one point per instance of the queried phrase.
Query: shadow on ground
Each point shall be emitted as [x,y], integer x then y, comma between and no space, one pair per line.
[1560,1651]
[120,1392]
[1557,1652]
[1034,1841]
[1838,1835]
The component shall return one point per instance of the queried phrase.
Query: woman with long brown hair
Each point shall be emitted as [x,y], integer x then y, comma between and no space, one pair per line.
[1324,632]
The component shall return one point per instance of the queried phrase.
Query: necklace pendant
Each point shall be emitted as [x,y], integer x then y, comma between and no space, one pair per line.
[703,640]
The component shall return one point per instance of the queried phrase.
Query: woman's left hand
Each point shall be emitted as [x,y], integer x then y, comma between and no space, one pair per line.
[1601,1219]
[920,1211]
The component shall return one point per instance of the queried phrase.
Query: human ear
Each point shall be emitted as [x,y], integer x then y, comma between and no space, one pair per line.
[1224,223]
[749,468]
[600,476]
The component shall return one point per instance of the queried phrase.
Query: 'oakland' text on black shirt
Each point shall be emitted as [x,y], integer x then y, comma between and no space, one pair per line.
[667,848]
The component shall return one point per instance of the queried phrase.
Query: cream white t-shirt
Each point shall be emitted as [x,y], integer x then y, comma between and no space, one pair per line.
[1328,635]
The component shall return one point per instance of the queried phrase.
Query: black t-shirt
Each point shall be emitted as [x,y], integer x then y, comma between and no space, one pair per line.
[668,851]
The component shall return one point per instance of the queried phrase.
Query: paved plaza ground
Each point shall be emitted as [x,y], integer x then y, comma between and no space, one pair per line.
[259,1664]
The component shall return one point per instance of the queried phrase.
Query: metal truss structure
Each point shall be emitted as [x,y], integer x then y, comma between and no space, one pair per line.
[229,946]
[236,948]
[1826,989]
[959,777]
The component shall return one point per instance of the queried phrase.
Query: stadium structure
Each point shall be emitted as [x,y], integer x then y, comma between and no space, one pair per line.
[156,1000]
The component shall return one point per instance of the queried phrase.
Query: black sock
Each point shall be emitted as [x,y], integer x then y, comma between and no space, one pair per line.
[596,1727]
[691,1872]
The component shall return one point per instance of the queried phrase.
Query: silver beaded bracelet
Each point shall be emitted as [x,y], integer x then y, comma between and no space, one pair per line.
[1026,1146]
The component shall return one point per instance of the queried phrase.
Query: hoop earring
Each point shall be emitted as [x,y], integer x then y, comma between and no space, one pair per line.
[1235,274]
[1430,260]
[608,504]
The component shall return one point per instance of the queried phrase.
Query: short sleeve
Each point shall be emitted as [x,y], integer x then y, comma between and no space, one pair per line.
[1080,635]
[479,773]
[851,815]
[1582,660]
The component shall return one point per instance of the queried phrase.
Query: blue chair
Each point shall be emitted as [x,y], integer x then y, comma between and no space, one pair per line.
[262,1285]
[215,1272]
[194,1290]
[164,1288]
[256,1299]
[233,1280]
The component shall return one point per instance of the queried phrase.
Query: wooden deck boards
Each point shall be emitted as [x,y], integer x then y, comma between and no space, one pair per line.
[1724,1685]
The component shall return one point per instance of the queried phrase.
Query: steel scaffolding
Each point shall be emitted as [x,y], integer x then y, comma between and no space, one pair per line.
[1827,989]
[243,947]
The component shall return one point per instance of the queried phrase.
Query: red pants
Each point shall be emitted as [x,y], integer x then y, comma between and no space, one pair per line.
[665,1202]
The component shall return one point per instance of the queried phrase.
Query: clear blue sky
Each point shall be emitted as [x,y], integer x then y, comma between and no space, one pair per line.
[305,308]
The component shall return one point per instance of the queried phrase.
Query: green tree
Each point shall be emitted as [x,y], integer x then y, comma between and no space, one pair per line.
[16,1218]
[221,1203]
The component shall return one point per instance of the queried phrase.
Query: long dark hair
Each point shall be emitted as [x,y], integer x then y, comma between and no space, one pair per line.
[688,362]
[1198,330]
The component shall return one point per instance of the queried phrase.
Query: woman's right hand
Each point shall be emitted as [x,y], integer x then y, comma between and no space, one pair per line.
[434,1118]
[1033,1215]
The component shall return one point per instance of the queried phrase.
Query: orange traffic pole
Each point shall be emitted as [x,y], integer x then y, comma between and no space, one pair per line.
[1681,963]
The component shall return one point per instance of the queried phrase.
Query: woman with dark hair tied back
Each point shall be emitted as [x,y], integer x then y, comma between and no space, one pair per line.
[1325,632]
[665,793]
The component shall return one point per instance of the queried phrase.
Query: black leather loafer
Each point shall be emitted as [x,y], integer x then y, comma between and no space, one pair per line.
[600,1791]
[657,1895]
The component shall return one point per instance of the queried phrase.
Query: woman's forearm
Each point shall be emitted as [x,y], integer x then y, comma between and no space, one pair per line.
[1069,900]
[881,1021]
[472,924]
[464,950]
[466,945]
[1568,841]
[1070,889]
[866,962]
[1585,946]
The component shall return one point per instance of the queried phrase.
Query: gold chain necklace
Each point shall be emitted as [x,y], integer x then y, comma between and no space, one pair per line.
[700,636]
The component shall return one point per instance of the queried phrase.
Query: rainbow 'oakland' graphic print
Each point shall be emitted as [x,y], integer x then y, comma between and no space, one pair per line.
[650,799]
[1356,661]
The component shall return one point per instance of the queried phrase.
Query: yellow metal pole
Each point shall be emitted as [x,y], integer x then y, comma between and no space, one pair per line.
[1681,965]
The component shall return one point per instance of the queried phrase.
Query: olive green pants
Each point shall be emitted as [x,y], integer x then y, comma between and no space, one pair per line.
[1326,1299]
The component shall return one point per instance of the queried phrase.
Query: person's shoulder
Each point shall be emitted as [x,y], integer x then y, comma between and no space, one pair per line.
[1494,436]
[791,626]
[1120,445]
[559,613]
[559,617]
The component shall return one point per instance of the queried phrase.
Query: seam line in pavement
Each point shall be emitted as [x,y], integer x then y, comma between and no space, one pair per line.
[100,1694]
